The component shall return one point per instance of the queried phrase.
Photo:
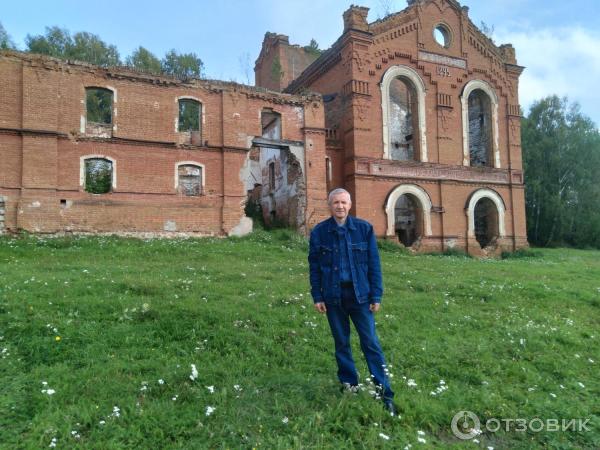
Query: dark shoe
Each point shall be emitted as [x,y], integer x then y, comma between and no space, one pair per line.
[390,407]
[349,388]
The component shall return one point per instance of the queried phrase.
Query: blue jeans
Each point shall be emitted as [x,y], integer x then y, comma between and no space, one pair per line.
[339,320]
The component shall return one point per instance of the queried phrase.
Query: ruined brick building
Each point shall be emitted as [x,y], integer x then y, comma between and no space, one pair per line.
[422,123]
[415,114]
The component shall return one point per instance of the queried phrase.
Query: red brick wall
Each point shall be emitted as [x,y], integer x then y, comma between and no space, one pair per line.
[40,174]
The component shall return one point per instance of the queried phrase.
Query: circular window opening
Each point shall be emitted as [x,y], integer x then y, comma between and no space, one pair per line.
[442,36]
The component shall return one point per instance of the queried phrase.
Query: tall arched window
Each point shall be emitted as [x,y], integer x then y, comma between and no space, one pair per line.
[403,120]
[480,125]
[403,108]
[189,121]
[480,129]
[485,213]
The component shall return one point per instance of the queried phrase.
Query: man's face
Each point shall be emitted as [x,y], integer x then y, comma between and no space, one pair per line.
[340,206]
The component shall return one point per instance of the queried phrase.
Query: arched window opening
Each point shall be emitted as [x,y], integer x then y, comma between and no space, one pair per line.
[98,175]
[189,180]
[328,173]
[189,121]
[403,120]
[99,111]
[480,129]
[486,222]
[271,124]
[408,219]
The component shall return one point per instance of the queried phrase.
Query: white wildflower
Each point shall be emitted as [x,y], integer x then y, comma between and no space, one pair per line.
[552,395]
[384,436]
[210,410]
[211,389]
[161,381]
[411,383]
[194,374]
[420,433]
[237,387]
[285,420]
[580,384]
[421,440]
[52,443]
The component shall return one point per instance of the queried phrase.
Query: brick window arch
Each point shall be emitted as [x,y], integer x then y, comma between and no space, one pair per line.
[403,107]
[97,174]
[99,111]
[479,104]
[190,178]
[189,120]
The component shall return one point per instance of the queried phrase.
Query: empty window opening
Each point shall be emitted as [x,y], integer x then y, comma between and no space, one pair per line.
[442,35]
[408,219]
[2,213]
[190,180]
[480,128]
[328,173]
[98,175]
[271,124]
[403,120]
[189,115]
[272,176]
[486,222]
[98,104]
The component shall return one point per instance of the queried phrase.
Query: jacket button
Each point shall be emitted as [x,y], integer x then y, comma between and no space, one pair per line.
[335,268]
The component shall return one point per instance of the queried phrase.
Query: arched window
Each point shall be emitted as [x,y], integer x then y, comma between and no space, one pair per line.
[189,178]
[99,111]
[480,125]
[480,129]
[98,174]
[408,209]
[189,121]
[403,103]
[485,213]
[408,219]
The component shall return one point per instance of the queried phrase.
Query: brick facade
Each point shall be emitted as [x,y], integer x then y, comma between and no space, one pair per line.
[45,139]
[416,114]
[455,204]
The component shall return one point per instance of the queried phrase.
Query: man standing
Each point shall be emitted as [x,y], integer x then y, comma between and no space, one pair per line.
[346,284]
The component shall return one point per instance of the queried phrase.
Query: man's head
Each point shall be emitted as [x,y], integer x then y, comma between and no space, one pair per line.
[339,202]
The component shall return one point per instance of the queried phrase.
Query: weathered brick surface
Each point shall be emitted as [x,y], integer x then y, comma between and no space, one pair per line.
[350,75]
[43,141]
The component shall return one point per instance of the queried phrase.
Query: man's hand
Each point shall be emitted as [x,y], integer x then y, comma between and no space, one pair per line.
[321,307]
[374,307]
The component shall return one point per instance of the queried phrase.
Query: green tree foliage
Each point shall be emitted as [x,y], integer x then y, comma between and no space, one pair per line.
[561,156]
[144,60]
[276,70]
[313,47]
[98,176]
[182,65]
[82,46]
[6,41]
[189,115]
[99,105]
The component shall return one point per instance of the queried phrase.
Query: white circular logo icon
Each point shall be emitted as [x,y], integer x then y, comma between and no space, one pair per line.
[466,425]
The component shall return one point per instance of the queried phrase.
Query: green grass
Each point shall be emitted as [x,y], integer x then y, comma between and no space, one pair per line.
[503,335]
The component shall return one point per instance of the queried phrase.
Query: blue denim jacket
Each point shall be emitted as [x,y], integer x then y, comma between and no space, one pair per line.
[324,258]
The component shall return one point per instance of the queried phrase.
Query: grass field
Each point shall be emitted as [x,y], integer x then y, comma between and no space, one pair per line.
[98,336]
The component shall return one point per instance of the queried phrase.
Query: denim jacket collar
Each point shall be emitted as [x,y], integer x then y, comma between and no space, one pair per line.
[333,224]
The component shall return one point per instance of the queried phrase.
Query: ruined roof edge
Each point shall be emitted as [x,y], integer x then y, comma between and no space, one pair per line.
[128,72]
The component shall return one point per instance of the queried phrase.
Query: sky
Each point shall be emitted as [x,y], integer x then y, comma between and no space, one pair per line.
[557,41]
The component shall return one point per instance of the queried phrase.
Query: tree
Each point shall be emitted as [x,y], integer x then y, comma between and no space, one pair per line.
[144,60]
[6,41]
[184,65]
[561,156]
[83,46]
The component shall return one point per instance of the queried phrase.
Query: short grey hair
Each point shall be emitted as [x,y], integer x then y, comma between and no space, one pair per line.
[336,192]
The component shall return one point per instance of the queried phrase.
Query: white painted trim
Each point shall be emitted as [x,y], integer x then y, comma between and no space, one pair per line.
[407,72]
[189,163]
[97,156]
[421,196]
[202,112]
[493,196]
[464,99]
